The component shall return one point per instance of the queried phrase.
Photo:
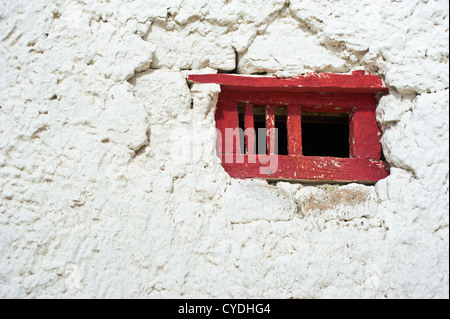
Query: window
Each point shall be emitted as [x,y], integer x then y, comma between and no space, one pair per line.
[325,134]
[318,127]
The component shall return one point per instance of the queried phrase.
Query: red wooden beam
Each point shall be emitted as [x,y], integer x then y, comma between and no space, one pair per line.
[270,129]
[307,168]
[249,129]
[356,82]
[294,129]
[311,102]
[364,134]
[227,122]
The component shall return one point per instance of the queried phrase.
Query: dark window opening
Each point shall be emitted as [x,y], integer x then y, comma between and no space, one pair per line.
[259,118]
[281,131]
[325,134]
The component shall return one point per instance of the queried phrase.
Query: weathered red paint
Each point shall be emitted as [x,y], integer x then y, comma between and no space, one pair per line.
[294,128]
[270,129]
[304,168]
[356,82]
[330,93]
[364,134]
[227,118]
[311,102]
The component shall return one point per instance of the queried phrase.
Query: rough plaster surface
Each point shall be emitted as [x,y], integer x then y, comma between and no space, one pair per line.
[110,186]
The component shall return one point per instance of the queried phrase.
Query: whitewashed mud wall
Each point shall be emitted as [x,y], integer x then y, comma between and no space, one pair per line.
[110,186]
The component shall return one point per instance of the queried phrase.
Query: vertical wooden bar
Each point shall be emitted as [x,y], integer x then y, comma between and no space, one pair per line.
[270,129]
[294,129]
[249,129]
[227,122]
[364,134]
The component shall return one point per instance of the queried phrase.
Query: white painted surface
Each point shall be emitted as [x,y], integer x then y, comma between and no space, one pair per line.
[110,186]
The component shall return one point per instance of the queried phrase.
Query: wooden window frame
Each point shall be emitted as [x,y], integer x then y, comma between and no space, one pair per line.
[354,94]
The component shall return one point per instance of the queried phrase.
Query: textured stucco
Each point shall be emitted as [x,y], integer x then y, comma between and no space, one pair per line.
[109,182]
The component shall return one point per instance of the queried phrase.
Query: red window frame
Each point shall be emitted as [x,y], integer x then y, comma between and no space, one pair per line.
[326,92]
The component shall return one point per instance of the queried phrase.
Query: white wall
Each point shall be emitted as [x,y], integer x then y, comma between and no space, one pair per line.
[110,186]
